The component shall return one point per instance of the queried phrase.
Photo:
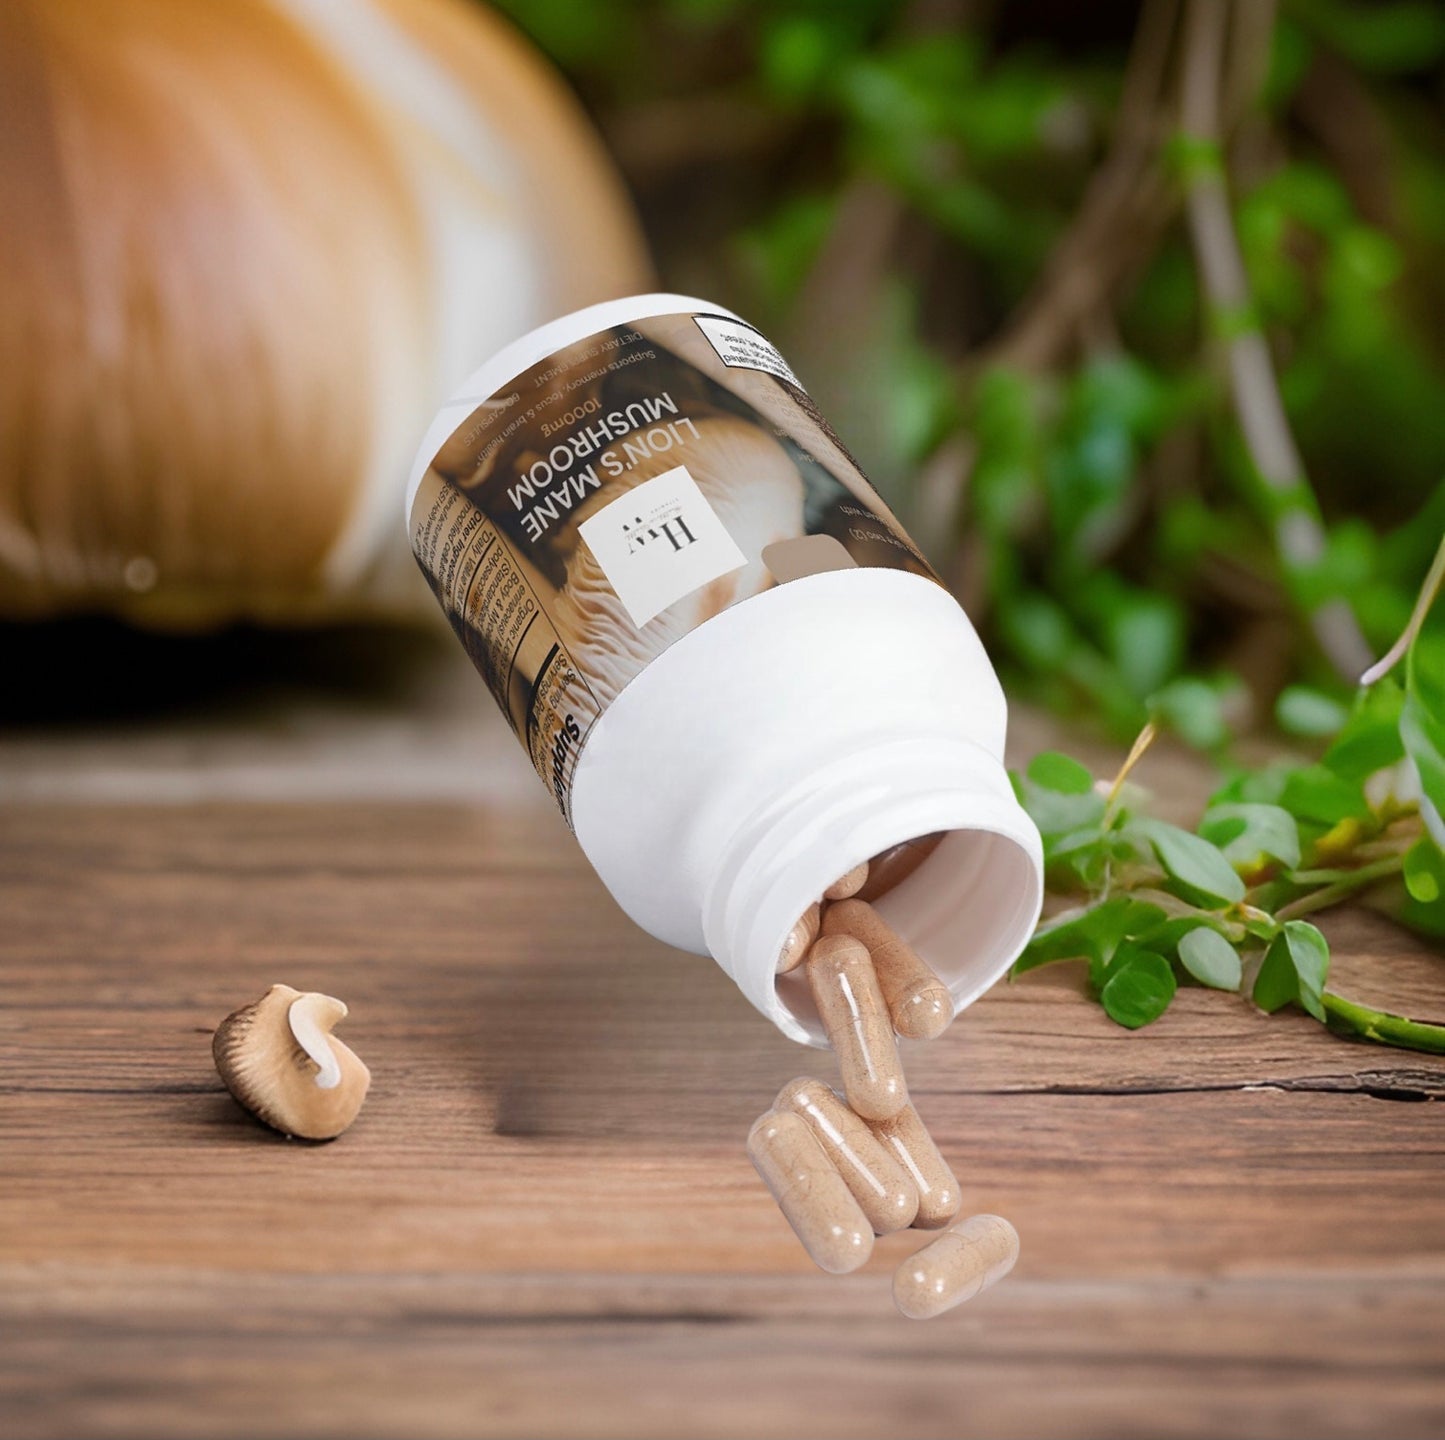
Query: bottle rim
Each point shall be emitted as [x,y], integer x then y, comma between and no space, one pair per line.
[968,910]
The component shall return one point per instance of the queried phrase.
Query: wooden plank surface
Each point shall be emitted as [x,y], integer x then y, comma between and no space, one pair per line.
[544,1221]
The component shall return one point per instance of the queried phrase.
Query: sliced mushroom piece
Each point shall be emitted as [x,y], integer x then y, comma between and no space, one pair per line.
[280,1060]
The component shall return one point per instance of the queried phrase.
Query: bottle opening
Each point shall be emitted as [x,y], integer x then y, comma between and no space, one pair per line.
[967,910]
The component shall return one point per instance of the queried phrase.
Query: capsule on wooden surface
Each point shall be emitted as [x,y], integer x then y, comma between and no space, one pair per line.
[810,1192]
[959,1264]
[800,939]
[855,1016]
[890,868]
[848,884]
[907,1138]
[919,1004]
[884,1190]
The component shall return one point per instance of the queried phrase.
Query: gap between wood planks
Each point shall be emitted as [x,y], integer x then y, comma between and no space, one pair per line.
[1389,1084]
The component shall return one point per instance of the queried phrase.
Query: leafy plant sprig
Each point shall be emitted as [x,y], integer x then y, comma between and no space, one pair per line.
[1224,905]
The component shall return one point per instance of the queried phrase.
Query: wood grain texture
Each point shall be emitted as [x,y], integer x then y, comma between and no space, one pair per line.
[544,1221]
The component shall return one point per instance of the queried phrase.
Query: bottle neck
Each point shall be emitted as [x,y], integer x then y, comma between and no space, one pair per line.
[968,910]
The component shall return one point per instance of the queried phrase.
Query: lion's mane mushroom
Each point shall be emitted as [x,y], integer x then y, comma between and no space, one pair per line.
[280,1060]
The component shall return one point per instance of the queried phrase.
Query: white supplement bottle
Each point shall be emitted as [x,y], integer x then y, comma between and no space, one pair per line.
[729,664]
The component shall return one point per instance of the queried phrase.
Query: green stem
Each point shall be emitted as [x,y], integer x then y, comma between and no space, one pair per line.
[1383,1027]
[1360,879]
[1423,601]
[1289,500]
[1377,849]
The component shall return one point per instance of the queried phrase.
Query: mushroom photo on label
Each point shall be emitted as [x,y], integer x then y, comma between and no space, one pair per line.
[755,490]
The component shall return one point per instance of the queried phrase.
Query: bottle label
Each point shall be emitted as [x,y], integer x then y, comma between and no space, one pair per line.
[617,495]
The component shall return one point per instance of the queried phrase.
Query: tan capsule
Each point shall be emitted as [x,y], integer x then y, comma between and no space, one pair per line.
[854,1014]
[918,1001]
[849,884]
[960,1264]
[890,868]
[810,1192]
[906,1136]
[882,1187]
[800,937]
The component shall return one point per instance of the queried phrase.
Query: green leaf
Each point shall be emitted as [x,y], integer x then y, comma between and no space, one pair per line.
[1246,832]
[1193,156]
[1060,773]
[1193,709]
[1138,986]
[1076,843]
[1124,388]
[1424,919]
[1400,37]
[1310,952]
[1294,970]
[796,57]
[1276,985]
[1040,631]
[1055,812]
[1422,725]
[1265,927]
[1165,936]
[1289,59]
[1210,958]
[1142,917]
[1081,867]
[1316,794]
[1092,936]
[1370,740]
[780,249]
[1193,862]
[1301,710]
[1264,786]
[1424,871]
[1144,636]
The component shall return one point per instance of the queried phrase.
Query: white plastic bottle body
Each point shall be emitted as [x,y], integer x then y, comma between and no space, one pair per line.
[779,742]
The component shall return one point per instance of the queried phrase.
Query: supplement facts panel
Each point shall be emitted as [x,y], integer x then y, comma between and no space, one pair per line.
[498,618]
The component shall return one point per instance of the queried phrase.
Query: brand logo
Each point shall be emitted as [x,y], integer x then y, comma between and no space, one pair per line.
[659,541]
[672,529]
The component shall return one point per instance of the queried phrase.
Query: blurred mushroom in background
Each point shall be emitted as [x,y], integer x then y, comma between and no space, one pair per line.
[248,247]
